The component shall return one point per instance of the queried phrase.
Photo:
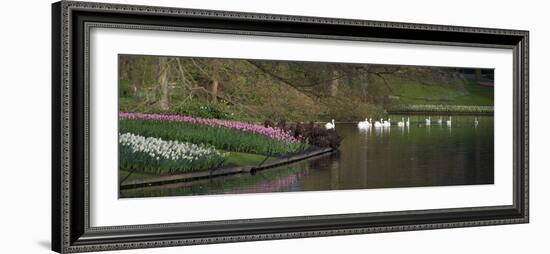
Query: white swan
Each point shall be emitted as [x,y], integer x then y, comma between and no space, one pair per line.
[449,122]
[429,121]
[378,124]
[408,122]
[387,123]
[363,124]
[440,121]
[330,125]
[476,122]
[401,123]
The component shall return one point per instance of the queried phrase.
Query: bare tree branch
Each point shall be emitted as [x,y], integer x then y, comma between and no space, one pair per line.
[385,81]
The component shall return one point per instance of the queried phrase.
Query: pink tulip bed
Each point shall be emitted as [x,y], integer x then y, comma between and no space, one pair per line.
[270,132]
[226,135]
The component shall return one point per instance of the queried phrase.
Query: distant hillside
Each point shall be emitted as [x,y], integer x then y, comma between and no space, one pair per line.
[295,91]
[425,89]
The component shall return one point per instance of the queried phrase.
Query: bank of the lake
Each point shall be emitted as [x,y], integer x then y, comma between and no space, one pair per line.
[145,180]
[440,109]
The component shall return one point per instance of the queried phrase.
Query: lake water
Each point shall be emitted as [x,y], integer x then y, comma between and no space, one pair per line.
[420,155]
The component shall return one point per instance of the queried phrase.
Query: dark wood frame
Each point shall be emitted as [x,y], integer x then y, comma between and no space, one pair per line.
[71,22]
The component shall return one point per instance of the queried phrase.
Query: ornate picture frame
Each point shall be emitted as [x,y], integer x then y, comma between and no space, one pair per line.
[71,229]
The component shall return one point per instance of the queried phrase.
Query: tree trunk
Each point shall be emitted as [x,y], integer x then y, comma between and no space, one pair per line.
[163,82]
[214,91]
[334,83]
[215,81]
[365,87]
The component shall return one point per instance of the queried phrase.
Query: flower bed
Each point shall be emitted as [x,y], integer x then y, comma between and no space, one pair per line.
[271,132]
[154,155]
[222,138]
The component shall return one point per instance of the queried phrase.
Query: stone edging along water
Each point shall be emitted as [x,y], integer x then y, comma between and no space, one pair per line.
[191,176]
[427,109]
[440,113]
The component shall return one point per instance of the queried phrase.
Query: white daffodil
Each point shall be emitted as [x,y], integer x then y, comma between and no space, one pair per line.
[171,150]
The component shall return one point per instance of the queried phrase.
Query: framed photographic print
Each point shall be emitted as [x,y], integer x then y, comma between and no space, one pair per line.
[181,126]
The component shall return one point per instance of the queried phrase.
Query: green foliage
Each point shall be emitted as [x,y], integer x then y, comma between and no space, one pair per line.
[349,110]
[233,158]
[205,110]
[125,88]
[221,138]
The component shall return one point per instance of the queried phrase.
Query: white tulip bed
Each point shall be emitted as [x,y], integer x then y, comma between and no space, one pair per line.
[154,155]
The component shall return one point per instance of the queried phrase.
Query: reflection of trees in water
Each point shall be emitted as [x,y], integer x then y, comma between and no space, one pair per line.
[328,161]
[275,185]
[271,180]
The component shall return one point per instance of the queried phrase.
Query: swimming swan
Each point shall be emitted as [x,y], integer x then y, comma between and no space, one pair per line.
[330,125]
[378,124]
[363,124]
[401,123]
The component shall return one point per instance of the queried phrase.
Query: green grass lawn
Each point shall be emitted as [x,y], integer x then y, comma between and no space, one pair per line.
[241,159]
[416,93]
[477,95]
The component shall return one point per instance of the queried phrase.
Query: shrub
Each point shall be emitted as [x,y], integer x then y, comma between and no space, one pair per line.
[313,134]
[205,110]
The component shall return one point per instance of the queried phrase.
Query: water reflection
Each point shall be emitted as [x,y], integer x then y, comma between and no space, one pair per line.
[438,154]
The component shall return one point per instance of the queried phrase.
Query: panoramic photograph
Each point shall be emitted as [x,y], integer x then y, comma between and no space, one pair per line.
[210,126]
